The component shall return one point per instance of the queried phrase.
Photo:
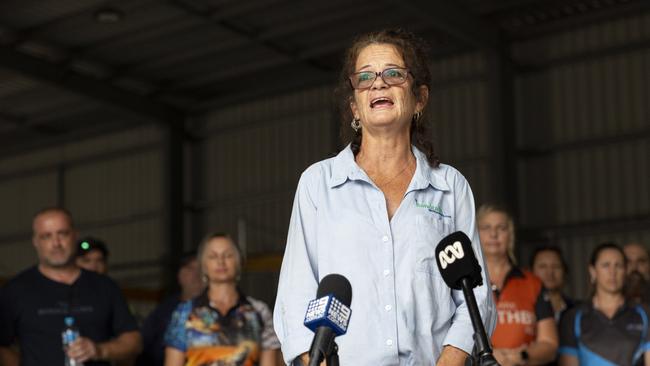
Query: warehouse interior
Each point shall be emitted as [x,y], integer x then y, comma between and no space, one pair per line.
[155,122]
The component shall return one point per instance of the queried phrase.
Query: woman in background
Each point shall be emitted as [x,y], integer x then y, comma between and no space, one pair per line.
[526,333]
[606,330]
[548,264]
[222,326]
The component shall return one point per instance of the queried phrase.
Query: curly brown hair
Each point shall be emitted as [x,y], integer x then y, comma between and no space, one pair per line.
[414,51]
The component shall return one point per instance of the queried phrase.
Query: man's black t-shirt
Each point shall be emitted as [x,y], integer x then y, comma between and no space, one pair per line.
[32,308]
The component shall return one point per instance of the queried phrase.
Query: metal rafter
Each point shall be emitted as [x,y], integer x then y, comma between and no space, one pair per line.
[14,123]
[61,76]
[578,21]
[231,46]
[451,18]
[252,36]
[220,93]
[267,65]
[264,90]
[38,137]
[11,119]
[300,25]
[29,32]
[153,30]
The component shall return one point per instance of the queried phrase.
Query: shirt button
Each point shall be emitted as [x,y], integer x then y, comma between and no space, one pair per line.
[386,272]
[388,307]
[389,342]
[384,238]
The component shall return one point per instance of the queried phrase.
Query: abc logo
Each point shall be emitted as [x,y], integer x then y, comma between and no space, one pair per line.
[450,254]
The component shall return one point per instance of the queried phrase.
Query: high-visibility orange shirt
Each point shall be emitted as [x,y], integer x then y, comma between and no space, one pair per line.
[521,303]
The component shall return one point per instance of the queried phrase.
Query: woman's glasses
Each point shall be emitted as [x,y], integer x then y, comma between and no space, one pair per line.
[391,76]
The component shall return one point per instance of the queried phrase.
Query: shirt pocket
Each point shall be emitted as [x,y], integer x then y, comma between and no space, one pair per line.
[426,262]
[429,231]
[430,224]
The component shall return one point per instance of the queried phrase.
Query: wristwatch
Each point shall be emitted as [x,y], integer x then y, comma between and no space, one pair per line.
[524,355]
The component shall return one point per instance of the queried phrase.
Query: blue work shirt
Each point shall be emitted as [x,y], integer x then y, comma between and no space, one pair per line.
[403,313]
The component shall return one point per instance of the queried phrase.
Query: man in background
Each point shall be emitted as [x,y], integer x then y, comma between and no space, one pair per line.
[92,255]
[153,329]
[637,284]
[34,303]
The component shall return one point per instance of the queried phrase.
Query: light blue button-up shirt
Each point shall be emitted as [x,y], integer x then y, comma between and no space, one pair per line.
[402,311]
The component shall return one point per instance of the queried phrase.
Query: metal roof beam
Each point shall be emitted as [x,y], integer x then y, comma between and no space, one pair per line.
[577,21]
[266,65]
[252,36]
[60,76]
[11,119]
[218,94]
[451,18]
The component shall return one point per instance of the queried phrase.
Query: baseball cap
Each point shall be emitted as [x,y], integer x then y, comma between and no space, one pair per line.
[89,243]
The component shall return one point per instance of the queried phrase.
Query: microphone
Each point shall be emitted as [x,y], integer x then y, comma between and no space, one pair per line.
[456,260]
[460,270]
[328,316]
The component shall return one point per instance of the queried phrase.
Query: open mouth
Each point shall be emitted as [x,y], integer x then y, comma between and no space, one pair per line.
[381,102]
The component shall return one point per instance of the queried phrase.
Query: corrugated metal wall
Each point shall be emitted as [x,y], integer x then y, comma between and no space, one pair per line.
[584,121]
[254,155]
[459,119]
[112,186]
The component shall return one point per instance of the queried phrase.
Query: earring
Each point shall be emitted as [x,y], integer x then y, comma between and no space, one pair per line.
[356,124]
[416,116]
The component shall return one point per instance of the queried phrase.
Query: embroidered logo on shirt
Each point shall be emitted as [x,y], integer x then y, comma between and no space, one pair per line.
[431,208]
[634,327]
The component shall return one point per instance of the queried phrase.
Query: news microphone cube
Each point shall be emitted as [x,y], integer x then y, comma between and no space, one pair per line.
[330,312]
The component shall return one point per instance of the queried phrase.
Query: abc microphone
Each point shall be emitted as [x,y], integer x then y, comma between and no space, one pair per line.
[328,316]
[460,270]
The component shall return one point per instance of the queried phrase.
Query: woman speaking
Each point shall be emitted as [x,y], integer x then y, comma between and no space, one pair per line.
[374,214]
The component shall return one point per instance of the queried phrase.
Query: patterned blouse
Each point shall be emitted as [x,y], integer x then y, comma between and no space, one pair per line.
[209,338]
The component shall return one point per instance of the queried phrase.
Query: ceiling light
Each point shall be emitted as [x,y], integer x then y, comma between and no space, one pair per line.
[109,15]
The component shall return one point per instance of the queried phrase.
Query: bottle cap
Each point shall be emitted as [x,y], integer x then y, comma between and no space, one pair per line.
[69,321]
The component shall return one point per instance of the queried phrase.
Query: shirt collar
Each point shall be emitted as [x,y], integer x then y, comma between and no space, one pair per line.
[345,168]
[425,175]
[203,300]
[515,272]
[627,306]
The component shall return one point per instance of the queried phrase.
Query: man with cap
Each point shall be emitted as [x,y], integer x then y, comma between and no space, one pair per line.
[92,255]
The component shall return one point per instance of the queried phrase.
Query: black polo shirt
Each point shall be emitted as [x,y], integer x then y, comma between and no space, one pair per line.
[587,334]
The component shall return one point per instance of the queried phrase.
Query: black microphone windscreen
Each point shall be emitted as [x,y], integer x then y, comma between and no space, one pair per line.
[336,285]
[456,260]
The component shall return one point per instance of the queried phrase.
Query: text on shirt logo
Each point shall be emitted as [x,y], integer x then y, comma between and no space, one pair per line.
[431,208]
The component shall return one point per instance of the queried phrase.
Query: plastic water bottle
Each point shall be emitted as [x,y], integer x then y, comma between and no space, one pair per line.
[69,334]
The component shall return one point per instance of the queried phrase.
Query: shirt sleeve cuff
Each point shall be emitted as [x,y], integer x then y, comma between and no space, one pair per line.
[461,335]
[293,347]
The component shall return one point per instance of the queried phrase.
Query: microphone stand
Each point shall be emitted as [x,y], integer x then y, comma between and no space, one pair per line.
[333,358]
[327,350]
[485,357]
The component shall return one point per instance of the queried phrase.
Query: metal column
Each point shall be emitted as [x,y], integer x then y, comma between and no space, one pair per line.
[173,198]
